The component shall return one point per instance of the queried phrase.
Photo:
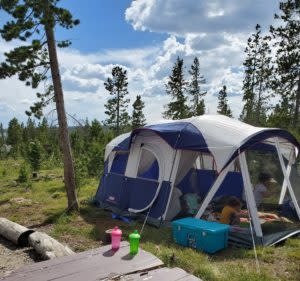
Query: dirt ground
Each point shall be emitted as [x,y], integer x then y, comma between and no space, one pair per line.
[13,257]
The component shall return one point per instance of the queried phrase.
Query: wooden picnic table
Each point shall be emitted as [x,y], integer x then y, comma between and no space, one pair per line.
[101,264]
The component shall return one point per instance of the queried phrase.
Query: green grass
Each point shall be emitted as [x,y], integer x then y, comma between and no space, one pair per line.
[44,208]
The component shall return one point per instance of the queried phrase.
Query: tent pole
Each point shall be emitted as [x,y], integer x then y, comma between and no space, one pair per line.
[284,185]
[292,194]
[212,192]
[249,195]
[172,177]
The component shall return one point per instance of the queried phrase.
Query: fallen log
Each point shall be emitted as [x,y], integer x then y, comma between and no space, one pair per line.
[14,232]
[43,244]
[48,247]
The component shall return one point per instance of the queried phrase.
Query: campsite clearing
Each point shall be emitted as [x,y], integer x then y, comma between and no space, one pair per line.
[44,210]
[193,167]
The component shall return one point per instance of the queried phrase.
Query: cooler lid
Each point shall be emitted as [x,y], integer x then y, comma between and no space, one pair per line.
[193,223]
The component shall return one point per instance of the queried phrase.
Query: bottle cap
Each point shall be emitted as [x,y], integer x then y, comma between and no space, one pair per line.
[117,231]
[135,235]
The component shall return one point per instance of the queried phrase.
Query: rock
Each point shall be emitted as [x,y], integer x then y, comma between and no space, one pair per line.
[21,200]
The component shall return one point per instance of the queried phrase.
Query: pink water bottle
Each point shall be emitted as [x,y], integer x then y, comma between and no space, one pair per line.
[116,235]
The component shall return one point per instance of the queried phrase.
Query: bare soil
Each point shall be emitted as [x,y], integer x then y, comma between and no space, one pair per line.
[13,257]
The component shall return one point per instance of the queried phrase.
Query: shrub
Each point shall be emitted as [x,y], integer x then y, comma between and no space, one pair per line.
[95,160]
[23,174]
[35,155]
[80,167]
[4,173]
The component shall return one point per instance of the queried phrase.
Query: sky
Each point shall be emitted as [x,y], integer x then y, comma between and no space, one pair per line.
[144,37]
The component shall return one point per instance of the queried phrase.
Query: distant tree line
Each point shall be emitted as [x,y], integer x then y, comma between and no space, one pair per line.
[271,85]
[38,144]
[272,70]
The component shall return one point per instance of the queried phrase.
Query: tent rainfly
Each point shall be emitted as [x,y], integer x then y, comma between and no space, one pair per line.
[145,168]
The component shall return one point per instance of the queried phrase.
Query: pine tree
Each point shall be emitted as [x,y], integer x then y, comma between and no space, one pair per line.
[287,70]
[176,88]
[85,132]
[194,89]
[125,122]
[248,111]
[3,147]
[23,174]
[29,132]
[256,84]
[138,117]
[76,144]
[281,116]
[95,131]
[2,136]
[223,107]
[35,156]
[118,118]
[34,22]
[264,74]
[14,136]
[43,132]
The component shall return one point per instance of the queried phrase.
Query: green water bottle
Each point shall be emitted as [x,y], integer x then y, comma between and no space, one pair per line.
[134,240]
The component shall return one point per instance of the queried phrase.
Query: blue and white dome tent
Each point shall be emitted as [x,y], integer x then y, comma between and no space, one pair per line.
[144,168]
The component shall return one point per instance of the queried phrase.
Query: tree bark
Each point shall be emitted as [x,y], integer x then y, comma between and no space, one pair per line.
[258,109]
[69,174]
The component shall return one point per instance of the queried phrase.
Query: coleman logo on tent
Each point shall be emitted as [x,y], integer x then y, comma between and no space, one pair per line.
[111,199]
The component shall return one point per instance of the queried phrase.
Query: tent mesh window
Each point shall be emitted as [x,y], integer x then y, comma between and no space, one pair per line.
[195,173]
[119,163]
[148,166]
[276,217]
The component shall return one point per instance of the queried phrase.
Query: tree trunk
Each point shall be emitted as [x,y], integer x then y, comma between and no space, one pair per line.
[69,175]
[259,105]
[297,105]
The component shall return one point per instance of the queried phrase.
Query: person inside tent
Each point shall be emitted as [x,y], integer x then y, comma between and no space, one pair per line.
[191,203]
[183,205]
[262,188]
[231,212]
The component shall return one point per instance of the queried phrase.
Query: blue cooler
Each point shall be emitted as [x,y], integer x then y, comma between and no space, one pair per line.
[207,236]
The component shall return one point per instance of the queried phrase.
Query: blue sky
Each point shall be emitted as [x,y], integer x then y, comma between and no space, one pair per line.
[145,37]
[103,26]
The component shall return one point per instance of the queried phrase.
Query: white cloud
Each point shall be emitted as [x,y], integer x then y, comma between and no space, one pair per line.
[83,77]
[190,16]
[14,98]
[216,31]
